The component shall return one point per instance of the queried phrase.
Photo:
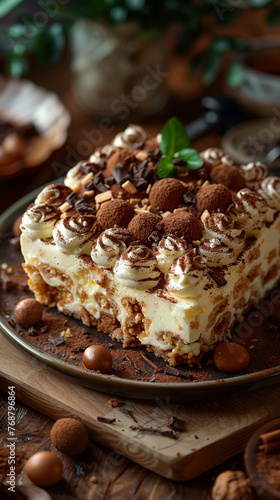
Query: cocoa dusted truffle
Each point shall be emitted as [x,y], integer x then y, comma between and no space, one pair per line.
[182,224]
[229,176]
[114,213]
[151,144]
[212,198]
[123,157]
[142,225]
[166,194]
[69,436]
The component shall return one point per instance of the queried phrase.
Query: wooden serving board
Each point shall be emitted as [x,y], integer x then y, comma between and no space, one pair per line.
[214,430]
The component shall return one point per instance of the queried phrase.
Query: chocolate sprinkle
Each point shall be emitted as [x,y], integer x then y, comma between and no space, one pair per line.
[106,420]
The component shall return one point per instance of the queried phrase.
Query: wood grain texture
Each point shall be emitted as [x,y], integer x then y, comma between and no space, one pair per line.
[218,429]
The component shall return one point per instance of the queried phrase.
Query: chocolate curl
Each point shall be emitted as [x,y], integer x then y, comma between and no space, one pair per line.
[270,441]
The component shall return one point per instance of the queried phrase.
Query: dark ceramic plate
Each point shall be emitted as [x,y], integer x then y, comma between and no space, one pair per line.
[154,380]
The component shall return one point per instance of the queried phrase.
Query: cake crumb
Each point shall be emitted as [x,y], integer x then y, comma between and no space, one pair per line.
[178,454]
[93,479]
[114,402]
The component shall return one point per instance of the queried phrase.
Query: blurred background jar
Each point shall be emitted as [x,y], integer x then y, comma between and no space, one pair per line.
[116,71]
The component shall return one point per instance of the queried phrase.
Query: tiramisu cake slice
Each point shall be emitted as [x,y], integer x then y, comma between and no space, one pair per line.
[170,263]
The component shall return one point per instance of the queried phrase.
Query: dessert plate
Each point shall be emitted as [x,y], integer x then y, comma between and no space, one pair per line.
[136,373]
[22,101]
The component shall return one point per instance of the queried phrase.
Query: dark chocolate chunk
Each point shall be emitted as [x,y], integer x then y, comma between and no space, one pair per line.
[82,207]
[89,186]
[155,236]
[140,183]
[71,199]
[56,339]
[86,169]
[154,211]
[189,198]
[121,174]
[109,181]
[218,275]
[175,423]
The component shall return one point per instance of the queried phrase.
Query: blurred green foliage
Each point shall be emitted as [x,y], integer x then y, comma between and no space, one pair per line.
[43,26]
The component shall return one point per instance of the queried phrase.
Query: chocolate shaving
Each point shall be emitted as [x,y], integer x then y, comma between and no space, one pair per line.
[128,414]
[170,434]
[176,424]
[133,365]
[140,183]
[106,420]
[153,365]
[56,339]
[170,370]
[85,168]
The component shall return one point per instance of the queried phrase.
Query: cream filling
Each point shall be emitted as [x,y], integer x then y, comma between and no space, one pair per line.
[187,319]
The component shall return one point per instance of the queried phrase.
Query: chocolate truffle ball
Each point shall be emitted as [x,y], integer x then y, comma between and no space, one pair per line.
[229,176]
[212,198]
[151,144]
[114,213]
[231,357]
[28,312]
[97,357]
[69,436]
[166,194]
[182,224]
[142,225]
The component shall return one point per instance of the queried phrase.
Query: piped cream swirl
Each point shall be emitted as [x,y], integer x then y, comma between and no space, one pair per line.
[220,226]
[215,156]
[53,194]
[74,176]
[109,245]
[137,268]
[188,275]
[251,212]
[168,250]
[270,190]
[130,138]
[216,253]
[253,173]
[75,235]
[39,221]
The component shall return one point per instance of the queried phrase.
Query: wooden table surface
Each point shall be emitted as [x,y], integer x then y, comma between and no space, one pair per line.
[118,477]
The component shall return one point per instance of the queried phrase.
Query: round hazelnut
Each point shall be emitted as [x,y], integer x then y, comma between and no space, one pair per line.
[166,194]
[142,225]
[97,357]
[231,357]
[69,436]
[229,176]
[28,312]
[182,224]
[212,198]
[114,213]
[232,485]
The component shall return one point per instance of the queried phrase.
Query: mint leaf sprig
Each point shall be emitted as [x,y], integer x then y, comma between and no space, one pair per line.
[175,144]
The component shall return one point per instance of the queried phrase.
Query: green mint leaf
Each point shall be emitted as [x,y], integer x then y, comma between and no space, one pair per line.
[173,137]
[165,168]
[191,157]
[8,5]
